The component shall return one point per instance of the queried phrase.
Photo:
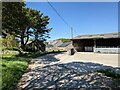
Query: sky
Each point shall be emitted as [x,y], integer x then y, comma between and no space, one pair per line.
[83,17]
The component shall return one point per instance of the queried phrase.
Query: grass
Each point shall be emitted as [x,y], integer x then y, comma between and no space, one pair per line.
[11,73]
[110,73]
[12,70]
[37,54]
[14,66]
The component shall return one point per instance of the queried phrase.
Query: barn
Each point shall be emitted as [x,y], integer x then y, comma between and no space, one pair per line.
[65,46]
[102,43]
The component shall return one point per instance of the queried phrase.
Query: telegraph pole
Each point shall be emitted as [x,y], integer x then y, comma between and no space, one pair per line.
[71,33]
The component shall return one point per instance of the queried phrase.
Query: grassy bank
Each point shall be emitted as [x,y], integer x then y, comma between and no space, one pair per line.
[14,66]
[12,70]
[110,73]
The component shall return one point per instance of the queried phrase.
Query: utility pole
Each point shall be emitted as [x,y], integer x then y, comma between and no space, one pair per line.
[71,33]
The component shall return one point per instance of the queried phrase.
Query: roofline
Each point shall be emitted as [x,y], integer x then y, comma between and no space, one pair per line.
[102,33]
[97,36]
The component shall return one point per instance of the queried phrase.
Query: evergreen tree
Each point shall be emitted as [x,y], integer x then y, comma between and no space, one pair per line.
[22,22]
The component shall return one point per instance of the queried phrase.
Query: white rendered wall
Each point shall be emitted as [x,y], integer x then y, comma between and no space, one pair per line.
[107,50]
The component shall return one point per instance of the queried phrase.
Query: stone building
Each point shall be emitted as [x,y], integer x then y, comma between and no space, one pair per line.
[104,43]
[65,46]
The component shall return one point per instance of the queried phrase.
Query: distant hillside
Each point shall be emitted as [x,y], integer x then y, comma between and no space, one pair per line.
[64,40]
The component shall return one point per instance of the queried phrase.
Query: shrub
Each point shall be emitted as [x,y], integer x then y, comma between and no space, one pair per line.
[110,73]
[9,42]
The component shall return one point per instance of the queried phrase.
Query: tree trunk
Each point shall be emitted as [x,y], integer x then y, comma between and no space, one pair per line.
[22,41]
[36,40]
[27,36]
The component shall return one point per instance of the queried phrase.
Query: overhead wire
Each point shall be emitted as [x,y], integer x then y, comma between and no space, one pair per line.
[58,14]
[62,18]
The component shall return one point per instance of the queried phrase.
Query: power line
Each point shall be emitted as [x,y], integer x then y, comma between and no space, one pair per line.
[58,14]
[61,18]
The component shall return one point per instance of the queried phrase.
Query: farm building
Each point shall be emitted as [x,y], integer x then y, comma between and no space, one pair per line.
[65,46]
[59,45]
[53,45]
[104,43]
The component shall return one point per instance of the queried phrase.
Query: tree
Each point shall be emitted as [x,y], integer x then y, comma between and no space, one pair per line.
[24,22]
[11,15]
[30,17]
[41,30]
[37,27]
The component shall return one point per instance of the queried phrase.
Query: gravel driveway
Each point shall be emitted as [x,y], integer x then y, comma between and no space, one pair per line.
[50,71]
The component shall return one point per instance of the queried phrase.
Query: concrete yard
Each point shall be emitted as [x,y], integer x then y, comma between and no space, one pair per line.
[105,59]
[62,71]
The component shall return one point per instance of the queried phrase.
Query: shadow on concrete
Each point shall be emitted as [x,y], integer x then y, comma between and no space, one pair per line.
[46,59]
[67,76]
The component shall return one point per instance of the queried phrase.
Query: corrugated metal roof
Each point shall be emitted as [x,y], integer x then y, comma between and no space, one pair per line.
[95,36]
[65,44]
